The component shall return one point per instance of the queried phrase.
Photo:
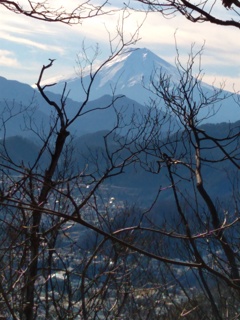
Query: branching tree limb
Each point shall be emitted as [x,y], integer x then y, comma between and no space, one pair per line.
[201,11]
[48,12]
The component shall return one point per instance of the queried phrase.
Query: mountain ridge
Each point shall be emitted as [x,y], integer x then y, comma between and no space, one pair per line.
[24,152]
[125,75]
[29,108]
[134,66]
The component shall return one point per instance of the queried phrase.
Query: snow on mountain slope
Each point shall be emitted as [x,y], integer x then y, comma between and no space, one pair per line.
[126,74]
[123,75]
[132,67]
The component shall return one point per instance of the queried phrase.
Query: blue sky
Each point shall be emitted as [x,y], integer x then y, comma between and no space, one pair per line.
[27,44]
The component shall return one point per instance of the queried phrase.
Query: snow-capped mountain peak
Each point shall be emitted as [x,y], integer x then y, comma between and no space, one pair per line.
[132,66]
[124,74]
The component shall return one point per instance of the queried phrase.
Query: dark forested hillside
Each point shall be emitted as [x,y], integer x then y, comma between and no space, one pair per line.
[89,147]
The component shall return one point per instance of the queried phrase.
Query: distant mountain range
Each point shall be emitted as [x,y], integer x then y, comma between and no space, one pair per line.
[23,108]
[126,74]
[135,183]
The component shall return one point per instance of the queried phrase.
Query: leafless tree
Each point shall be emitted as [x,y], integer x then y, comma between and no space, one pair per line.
[41,200]
[67,252]
[46,270]
[200,11]
[200,227]
[48,11]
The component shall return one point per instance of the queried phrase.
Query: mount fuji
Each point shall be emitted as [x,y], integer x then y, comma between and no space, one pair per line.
[124,75]
[129,72]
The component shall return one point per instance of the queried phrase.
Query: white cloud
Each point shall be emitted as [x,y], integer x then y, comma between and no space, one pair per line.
[31,43]
[7,59]
[35,39]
